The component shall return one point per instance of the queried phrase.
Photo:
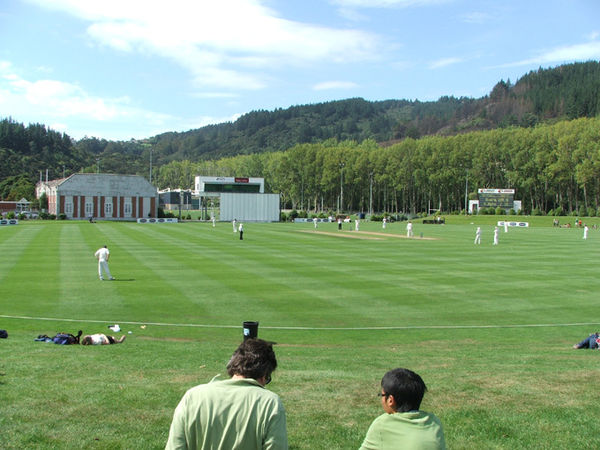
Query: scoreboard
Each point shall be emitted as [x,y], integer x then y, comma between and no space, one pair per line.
[493,198]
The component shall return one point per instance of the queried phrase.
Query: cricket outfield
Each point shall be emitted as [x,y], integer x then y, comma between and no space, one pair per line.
[489,328]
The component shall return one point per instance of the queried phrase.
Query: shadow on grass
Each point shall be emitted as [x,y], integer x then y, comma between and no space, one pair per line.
[123,279]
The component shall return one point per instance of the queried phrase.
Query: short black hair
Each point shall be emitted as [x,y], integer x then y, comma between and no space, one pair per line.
[254,358]
[407,387]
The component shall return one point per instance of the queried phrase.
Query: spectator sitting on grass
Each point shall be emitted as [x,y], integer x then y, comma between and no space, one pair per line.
[238,413]
[403,425]
[100,339]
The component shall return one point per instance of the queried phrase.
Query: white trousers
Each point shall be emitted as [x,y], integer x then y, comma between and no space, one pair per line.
[103,265]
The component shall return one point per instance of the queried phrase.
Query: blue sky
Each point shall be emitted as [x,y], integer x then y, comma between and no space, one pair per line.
[122,69]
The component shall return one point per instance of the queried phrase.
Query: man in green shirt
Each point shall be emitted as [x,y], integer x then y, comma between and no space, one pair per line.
[234,414]
[403,425]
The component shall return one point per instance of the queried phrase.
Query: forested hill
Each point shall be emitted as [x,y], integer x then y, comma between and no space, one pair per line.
[565,92]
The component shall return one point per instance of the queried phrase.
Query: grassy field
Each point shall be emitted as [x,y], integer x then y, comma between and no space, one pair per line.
[489,328]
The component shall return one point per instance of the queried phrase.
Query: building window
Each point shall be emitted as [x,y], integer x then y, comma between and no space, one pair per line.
[89,209]
[108,208]
[69,208]
[127,209]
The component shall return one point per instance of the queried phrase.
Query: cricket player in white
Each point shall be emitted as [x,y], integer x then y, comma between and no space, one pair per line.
[478,236]
[356,224]
[409,231]
[496,236]
[585,231]
[102,256]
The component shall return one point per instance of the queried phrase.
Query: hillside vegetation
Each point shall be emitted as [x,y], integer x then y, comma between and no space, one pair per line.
[408,153]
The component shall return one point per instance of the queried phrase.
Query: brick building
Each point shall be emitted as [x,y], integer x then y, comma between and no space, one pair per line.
[100,195]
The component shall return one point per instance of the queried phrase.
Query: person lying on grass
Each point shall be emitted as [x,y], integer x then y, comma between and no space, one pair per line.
[589,342]
[404,426]
[100,339]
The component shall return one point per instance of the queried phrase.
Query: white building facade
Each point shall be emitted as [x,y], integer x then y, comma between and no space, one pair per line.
[99,195]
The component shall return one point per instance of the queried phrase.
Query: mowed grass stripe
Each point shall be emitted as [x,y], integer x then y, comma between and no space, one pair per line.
[32,279]
[14,240]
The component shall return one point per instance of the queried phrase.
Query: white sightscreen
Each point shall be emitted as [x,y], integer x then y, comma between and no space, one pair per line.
[250,207]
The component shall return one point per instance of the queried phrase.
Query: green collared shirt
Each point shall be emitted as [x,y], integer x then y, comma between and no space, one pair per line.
[229,415]
[414,430]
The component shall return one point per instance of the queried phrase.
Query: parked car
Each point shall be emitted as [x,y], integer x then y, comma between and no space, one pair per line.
[29,214]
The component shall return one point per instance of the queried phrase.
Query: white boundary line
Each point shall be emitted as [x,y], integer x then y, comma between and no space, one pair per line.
[415,327]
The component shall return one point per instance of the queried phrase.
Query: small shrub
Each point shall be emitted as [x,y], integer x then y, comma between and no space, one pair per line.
[537,212]
[293,215]
[62,216]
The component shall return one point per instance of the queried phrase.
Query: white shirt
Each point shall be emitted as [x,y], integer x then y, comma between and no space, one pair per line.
[98,339]
[102,254]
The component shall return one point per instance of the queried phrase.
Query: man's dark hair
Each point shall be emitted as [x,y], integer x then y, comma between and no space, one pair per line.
[254,358]
[407,387]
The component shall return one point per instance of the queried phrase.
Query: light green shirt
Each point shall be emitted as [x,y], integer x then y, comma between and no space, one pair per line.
[230,414]
[414,430]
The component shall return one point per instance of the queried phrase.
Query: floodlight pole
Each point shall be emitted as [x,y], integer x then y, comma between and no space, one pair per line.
[150,166]
[342,165]
[371,195]
[466,192]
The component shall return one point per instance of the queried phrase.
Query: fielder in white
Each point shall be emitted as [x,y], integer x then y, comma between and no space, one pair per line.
[384,222]
[356,225]
[214,221]
[585,231]
[409,230]
[477,236]
[234,223]
[496,232]
[102,255]
[315,222]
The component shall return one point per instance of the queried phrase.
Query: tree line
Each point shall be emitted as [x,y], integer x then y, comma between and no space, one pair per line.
[553,168]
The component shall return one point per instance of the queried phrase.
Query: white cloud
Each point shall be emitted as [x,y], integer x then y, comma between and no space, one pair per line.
[328,85]
[214,95]
[444,62]
[52,101]
[476,17]
[221,43]
[577,52]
